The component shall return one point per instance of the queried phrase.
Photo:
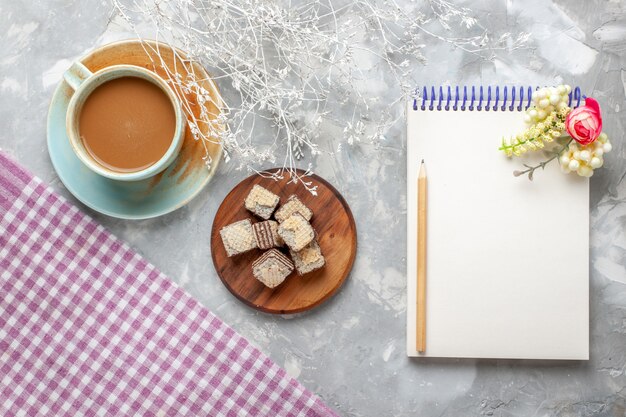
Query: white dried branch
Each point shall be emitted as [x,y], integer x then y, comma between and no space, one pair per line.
[292,66]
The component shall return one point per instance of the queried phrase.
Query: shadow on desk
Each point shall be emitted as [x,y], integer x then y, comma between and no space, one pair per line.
[486,363]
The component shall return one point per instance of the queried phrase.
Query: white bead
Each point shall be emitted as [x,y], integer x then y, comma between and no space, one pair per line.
[555,99]
[564,160]
[573,165]
[603,137]
[532,113]
[595,162]
[607,147]
[541,115]
[527,118]
[561,89]
[598,151]
[543,103]
[541,93]
[585,171]
[568,89]
[561,105]
[585,155]
[576,154]
[552,91]
[573,146]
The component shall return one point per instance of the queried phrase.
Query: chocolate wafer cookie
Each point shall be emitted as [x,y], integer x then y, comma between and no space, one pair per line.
[272,268]
[238,237]
[293,205]
[261,202]
[266,234]
[309,259]
[296,231]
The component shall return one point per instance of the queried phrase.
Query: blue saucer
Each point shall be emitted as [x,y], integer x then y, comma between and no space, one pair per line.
[153,197]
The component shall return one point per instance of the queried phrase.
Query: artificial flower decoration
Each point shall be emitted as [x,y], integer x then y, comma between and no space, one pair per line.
[584,123]
[577,133]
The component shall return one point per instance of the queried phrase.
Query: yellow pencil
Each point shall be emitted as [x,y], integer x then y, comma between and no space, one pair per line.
[421,259]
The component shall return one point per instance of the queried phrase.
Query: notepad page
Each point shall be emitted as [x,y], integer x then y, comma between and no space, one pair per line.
[507,258]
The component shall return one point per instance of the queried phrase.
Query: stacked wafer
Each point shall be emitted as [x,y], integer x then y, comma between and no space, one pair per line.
[291,228]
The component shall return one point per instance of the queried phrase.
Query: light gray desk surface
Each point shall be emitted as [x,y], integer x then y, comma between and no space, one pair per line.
[352,349]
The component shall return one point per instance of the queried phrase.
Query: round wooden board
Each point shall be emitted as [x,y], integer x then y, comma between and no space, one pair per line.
[336,234]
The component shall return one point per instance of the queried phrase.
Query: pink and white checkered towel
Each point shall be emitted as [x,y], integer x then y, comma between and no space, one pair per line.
[89,328]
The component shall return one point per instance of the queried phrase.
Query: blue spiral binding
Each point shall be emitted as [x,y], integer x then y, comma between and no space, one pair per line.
[521,98]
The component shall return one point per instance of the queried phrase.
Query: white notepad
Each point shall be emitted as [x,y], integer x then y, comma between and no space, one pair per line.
[507,258]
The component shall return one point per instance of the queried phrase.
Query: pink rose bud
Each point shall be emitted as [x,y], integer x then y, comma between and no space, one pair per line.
[584,123]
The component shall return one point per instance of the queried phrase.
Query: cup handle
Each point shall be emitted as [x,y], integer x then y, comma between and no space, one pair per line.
[76,75]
